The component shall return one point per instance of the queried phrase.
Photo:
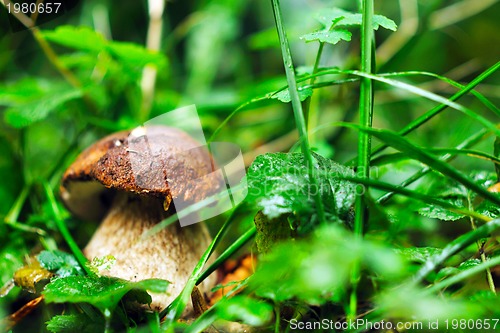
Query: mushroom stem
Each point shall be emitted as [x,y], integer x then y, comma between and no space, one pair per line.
[168,255]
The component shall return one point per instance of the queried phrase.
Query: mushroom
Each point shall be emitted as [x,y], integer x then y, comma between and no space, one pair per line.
[128,179]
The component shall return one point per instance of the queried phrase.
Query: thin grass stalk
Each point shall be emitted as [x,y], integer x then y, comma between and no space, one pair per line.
[61,226]
[474,139]
[480,250]
[438,109]
[364,144]
[232,249]
[297,106]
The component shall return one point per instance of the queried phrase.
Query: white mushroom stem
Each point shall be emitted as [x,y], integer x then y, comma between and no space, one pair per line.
[171,254]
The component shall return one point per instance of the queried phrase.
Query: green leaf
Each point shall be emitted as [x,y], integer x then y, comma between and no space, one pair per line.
[317,268]
[79,38]
[279,184]
[74,323]
[102,292]
[28,113]
[11,258]
[328,36]
[440,213]
[62,263]
[387,23]
[413,304]
[270,231]
[250,311]
[469,264]
[22,91]
[418,254]
[284,95]
[340,17]
[456,246]
[133,55]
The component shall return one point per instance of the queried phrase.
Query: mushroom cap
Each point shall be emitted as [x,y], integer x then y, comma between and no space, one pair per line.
[157,161]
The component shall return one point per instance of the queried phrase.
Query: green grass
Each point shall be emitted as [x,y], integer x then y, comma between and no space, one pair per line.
[389,111]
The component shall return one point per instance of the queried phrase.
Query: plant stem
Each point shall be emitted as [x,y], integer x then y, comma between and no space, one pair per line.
[237,245]
[297,106]
[364,144]
[75,249]
[148,82]
[489,277]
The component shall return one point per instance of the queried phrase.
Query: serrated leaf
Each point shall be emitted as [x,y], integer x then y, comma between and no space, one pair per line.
[440,213]
[62,263]
[279,184]
[488,209]
[102,292]
[387,23]
[134,55]
[339,17]
[284,95]
[418,254]
[469,264]
[26,114]
[74,323]
[79,38]
[328,36]
[250,311]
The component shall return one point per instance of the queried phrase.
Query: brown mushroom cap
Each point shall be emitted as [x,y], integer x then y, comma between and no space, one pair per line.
[157,161]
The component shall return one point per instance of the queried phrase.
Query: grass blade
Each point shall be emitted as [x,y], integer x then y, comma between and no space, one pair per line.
[415,195]
[464,275]
[391,158]
[454,247]
[296,105]
[404,145]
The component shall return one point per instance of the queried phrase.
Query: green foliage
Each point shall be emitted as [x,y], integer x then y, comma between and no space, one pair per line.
[496,151]
[11,258]
[407,303]
[86,39]
[73,323]
[100,291]
[279,184]
[328,36]
[248,310]
[460,196]
[61,263]
[315,269]
[284,95]
[64,86]
[31,101]
[333,18]
[338,17]
[419,254]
